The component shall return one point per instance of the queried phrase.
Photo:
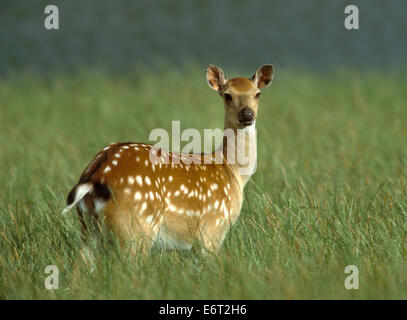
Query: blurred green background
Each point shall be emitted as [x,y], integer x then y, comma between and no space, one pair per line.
[118,35]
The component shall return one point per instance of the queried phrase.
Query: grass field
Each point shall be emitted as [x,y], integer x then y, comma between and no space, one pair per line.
[329,191]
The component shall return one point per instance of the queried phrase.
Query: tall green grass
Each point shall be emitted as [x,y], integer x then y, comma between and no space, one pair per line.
[329,191]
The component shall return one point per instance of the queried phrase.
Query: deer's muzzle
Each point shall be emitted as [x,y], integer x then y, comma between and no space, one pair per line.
[246,116]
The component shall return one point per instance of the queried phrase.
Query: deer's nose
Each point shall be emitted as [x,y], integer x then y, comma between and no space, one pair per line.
[246,114]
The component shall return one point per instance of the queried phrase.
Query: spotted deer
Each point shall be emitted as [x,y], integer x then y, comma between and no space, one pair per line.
[175,205]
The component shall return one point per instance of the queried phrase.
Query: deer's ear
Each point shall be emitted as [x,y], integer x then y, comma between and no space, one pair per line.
[263,76]
[215,77]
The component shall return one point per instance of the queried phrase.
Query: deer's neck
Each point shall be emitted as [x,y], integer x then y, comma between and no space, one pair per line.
[240,151]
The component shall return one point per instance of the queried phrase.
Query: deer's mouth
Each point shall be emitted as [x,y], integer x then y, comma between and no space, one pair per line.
[246,122]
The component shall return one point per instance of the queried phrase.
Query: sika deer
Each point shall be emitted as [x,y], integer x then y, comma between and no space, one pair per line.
[176,204]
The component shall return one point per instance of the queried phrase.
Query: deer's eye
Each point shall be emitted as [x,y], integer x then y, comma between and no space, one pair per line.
[257,95]
[228,97]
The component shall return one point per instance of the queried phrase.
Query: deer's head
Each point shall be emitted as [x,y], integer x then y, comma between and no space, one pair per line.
[240,95]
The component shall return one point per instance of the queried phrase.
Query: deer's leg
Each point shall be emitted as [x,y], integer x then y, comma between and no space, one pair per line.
[212,234]
[91,231]
[211,244]
[136,233]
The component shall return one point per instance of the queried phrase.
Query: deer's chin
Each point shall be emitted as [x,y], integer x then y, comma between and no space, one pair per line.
[246,123]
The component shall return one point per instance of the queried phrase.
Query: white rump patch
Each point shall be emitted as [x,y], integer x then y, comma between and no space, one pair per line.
[99,205]
[80,192]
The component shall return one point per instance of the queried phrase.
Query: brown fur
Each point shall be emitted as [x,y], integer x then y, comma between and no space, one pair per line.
[241,84]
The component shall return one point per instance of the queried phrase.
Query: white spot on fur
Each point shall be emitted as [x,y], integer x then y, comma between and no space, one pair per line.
[172,207]
[149,218]
[143,207]
[82,206]
[139,181]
